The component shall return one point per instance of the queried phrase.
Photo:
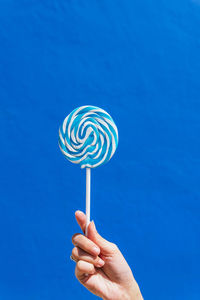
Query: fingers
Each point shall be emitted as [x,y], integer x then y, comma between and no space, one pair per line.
[79,254]
[85,244]
[81,219]
[107,248]
[83,268]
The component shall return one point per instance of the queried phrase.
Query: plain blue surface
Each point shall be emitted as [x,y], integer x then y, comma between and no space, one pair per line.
[140,61]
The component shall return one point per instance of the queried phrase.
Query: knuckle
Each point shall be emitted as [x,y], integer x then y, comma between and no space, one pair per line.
[75,252]
[79,265]
[91,268]
[76,272]
[114,247]
[74,237]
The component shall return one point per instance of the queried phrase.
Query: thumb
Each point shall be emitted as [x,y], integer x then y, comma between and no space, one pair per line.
[107,248]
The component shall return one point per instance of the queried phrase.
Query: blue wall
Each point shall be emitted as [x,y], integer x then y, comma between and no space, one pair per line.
[140,61]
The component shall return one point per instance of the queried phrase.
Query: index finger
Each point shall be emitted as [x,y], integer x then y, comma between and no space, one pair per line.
[81,220]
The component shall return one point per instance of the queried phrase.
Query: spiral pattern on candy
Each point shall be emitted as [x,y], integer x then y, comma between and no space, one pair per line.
[88,136]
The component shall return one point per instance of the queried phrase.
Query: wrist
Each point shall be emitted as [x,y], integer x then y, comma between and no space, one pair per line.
[135,294]
[132,291]
[126,293]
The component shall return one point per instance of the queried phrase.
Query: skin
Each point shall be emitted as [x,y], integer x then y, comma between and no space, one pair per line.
[100,266]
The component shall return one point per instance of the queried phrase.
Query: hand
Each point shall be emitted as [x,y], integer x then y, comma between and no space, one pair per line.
[100,266]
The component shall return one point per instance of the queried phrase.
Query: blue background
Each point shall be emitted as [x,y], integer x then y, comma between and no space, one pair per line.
[140,61]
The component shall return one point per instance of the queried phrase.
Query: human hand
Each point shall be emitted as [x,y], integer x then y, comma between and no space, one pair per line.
[100,266]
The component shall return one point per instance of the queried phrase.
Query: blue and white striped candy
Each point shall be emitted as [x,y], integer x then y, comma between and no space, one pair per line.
[88,136]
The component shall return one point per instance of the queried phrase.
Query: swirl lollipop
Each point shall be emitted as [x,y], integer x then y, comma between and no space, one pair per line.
[89,137]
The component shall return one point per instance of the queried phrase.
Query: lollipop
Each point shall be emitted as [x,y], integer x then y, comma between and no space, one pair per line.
[89,137]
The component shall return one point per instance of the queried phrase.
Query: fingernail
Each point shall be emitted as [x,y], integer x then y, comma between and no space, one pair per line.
[96,250]
[100,263]
[78,212]
[71,257]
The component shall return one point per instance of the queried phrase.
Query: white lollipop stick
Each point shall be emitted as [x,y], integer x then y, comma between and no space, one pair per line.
[88,181]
